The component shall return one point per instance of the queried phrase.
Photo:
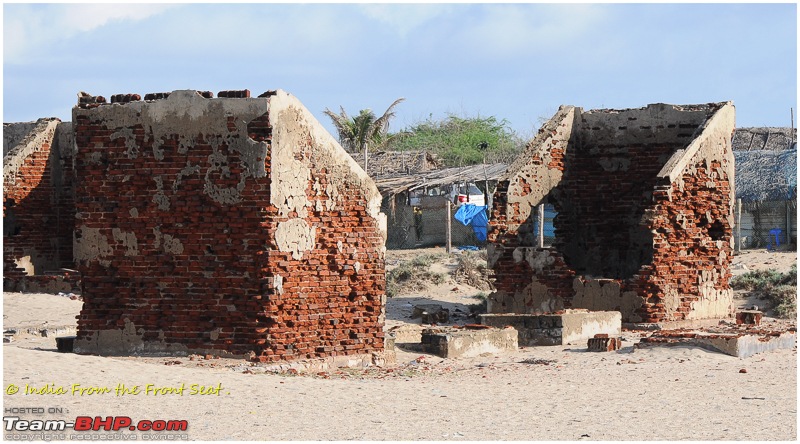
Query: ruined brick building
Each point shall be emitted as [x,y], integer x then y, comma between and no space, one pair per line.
[237,225]
[644,215]
[38,206]
[229,225]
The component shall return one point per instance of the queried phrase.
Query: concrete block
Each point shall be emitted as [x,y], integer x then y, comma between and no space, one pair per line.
[739,344]
[464,343]
[408,333]
[570,326]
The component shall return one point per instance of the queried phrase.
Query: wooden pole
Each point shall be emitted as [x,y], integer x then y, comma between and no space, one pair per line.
[449,234]
[788,226]
[488,198]
[738,226]
[540,210]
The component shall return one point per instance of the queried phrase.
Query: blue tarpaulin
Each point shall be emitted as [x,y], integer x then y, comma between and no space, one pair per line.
[549,215]
[476,216]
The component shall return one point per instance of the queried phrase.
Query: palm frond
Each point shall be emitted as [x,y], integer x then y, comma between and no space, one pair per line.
[382,122]
[344,126]
[364,131]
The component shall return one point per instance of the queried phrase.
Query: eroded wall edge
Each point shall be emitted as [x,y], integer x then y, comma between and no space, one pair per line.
[530,182]
[42,132]
[294,130]
[713,145]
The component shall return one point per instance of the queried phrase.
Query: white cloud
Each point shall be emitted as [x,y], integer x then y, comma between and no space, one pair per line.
[85,17]
[403,18]
[28,30]
[283,32]
[514,29]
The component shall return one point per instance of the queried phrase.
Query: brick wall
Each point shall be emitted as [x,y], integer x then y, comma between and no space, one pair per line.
[527,279]
[38,206]
[692,225]
[644,218]
[228,225]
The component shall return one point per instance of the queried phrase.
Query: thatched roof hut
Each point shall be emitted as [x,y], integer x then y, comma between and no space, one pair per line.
[402,177]
[766,175]
[764,138]
[397,163]
[393,184]
[398,171]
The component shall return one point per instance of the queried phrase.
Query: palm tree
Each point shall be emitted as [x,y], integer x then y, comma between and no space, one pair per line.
[364,132]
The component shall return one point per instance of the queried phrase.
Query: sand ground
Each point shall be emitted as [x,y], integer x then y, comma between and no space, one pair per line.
[534,393]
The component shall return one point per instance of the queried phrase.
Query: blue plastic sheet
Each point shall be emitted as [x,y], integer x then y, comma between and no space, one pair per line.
[475,216]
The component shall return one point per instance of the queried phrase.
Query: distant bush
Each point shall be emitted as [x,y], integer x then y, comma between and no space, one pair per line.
[461,141]
[778,289]
[413,275]
[472,270]
[785,299]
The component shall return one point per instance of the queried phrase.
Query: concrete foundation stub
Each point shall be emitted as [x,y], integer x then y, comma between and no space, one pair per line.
[467,343]
[741,345]
[569,327]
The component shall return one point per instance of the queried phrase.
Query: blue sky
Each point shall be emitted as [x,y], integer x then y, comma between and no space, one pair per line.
[514,61]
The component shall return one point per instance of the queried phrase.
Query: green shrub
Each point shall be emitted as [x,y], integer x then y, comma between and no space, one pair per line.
[413,275]
[426,260]
[778,289]
[762,279]
[785,299]
[472,270]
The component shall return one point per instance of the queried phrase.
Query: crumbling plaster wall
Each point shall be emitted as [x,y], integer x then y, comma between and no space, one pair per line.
[38,206]
[168,229]
[511,239]
[220,225]
[619,174]
[529,180]
[327,252]
[692,221]
[14,133]
[537,172]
